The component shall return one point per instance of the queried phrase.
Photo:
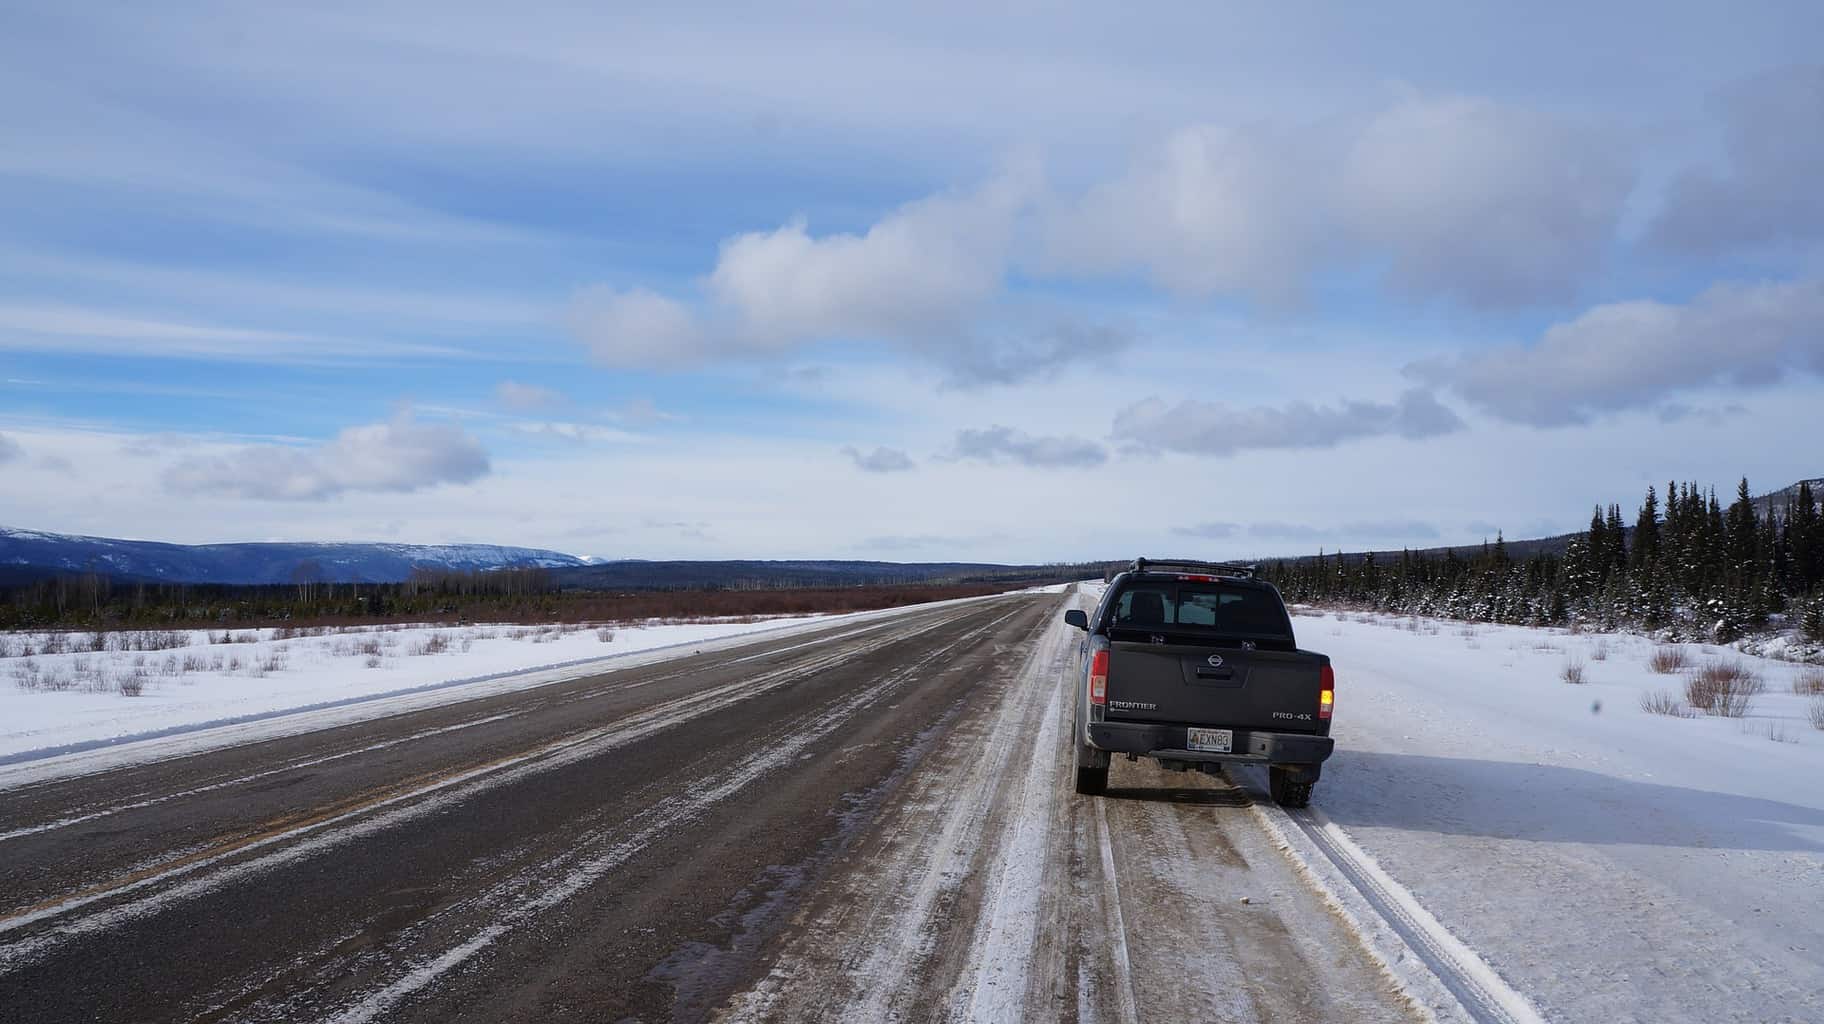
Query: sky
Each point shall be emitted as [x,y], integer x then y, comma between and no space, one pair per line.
[1006,282]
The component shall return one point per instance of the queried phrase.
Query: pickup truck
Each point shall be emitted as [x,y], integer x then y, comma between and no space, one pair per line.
[1194,664]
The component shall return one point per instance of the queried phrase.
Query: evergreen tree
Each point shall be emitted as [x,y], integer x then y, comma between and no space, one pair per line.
[1616,535]
[1598,545]
[1646,533]
[1805,540]
[1812,623]
[1741,529]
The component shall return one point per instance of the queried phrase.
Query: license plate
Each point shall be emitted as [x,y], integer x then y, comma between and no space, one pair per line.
[1214,741]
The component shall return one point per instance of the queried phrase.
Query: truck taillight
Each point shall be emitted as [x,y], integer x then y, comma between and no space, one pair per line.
[1326,695]
[1098,678]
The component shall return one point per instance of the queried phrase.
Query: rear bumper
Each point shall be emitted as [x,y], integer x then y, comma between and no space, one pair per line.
[1251,746]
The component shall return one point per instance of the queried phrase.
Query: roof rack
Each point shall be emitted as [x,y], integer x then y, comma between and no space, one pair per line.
[1238,569]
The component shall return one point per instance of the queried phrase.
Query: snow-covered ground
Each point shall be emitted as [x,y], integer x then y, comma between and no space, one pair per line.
[74,695]
[1609,863]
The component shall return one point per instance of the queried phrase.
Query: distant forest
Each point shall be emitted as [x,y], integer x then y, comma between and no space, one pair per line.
[1691,566]
[93,601]
[527,595]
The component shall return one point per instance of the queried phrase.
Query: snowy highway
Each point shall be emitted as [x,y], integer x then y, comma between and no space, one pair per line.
[865,822]
[871,819]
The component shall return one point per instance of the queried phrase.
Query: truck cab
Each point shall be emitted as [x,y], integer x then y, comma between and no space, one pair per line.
[1195,664]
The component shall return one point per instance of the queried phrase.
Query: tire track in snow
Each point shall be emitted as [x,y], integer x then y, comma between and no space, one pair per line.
[931,862]
[1474,985]
[1008,932]
[1126,1008]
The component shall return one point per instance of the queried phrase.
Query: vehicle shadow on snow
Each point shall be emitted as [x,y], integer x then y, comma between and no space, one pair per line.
[1545,803]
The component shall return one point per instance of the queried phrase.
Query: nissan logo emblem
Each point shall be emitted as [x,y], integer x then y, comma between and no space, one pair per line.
[1215,661]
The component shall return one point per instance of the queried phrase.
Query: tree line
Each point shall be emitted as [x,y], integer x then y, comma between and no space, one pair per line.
[1687,563]
[92,601]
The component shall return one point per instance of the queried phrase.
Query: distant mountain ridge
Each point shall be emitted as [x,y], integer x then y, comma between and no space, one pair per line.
[27,554]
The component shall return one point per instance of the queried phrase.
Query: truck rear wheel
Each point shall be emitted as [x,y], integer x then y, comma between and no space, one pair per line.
[1092,778]
[1286,792]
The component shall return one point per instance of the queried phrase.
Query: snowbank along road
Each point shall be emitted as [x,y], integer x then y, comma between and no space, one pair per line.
[869,822]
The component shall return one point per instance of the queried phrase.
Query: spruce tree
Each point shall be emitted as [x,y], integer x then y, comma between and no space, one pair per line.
[1598,545]
[1812,622]
[1616,535]
[1741,526]
[1646,533]
[1803,540]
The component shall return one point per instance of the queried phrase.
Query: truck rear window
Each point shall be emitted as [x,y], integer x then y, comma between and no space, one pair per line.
[1212,606]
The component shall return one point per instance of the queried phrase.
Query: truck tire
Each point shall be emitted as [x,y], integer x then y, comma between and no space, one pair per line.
[1092,778]
[1287,793]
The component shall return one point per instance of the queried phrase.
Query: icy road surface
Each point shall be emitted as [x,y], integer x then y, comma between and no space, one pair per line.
[867,821]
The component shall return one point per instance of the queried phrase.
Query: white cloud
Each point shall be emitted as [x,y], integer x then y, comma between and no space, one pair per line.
[916,278]
[1770,190]
[1494,204]
[514,395]
[399,455]
[1634,355]
[10,449]
[880,460]
[1210,210]
[997,444]
[919,268]
[638,327]
[1452,196]
[1197,427]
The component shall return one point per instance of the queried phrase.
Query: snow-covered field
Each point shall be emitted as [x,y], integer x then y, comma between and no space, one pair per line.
[1609,863]
[56,692]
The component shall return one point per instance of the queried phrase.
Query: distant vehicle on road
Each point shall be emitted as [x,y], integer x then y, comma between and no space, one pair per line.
[1194,664]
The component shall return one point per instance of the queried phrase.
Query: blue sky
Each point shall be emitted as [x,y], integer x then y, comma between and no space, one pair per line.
[1015,282]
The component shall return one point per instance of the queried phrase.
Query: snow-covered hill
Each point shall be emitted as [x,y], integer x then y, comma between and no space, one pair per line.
[34,551]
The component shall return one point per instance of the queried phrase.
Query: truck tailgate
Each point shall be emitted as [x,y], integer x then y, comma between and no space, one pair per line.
[1218,687]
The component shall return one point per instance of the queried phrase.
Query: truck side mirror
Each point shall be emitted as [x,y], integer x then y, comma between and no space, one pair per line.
[1075,617]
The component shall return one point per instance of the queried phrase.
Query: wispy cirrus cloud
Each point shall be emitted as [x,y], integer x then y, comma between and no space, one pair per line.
[73,329]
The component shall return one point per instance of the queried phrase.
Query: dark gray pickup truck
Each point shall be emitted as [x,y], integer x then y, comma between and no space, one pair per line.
[1194,664]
